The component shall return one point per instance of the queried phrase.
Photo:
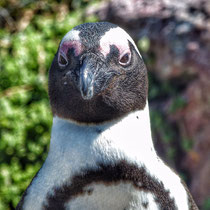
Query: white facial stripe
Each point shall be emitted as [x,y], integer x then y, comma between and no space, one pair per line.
[72,35]
[119,38]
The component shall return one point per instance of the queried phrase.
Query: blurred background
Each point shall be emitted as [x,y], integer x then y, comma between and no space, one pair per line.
[174,40]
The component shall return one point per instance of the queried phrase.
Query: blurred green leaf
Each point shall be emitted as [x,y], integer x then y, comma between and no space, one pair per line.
[177,103]
[143,44]
[206,205]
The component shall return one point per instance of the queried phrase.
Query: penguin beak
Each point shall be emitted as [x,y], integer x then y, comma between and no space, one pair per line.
[86,82]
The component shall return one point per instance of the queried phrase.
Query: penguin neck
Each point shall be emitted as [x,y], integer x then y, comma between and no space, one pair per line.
[129,136]
[76,149]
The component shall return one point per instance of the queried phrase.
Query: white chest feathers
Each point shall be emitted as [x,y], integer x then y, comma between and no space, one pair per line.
[112,166]
[120,196]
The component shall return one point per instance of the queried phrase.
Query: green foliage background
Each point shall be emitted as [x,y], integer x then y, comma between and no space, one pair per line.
[25,116]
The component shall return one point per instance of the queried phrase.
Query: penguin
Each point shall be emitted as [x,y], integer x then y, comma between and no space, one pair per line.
[101,153]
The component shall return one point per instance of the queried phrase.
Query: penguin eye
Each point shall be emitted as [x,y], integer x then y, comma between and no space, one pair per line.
[125,59]
[62,60]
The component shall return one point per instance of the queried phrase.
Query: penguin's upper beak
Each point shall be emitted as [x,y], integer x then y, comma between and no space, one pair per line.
[86,79]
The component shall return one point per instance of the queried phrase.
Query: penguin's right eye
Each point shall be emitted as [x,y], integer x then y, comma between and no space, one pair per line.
[62,60]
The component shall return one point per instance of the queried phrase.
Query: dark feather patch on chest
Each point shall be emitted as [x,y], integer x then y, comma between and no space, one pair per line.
[110,175]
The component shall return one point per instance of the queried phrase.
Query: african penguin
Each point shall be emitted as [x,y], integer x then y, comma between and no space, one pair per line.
[101,154]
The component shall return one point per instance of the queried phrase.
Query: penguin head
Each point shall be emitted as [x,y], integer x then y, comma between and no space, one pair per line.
[97,75]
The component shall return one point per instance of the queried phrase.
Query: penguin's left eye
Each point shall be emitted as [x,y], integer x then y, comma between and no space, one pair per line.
[125,59]
[62,60]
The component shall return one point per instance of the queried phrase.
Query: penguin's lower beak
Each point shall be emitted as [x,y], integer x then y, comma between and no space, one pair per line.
[86,82]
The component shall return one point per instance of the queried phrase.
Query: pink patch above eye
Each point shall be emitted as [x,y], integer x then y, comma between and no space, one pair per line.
[105,47]
[76,45]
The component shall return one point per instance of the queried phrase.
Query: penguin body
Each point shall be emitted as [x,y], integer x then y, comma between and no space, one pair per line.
[101,152]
